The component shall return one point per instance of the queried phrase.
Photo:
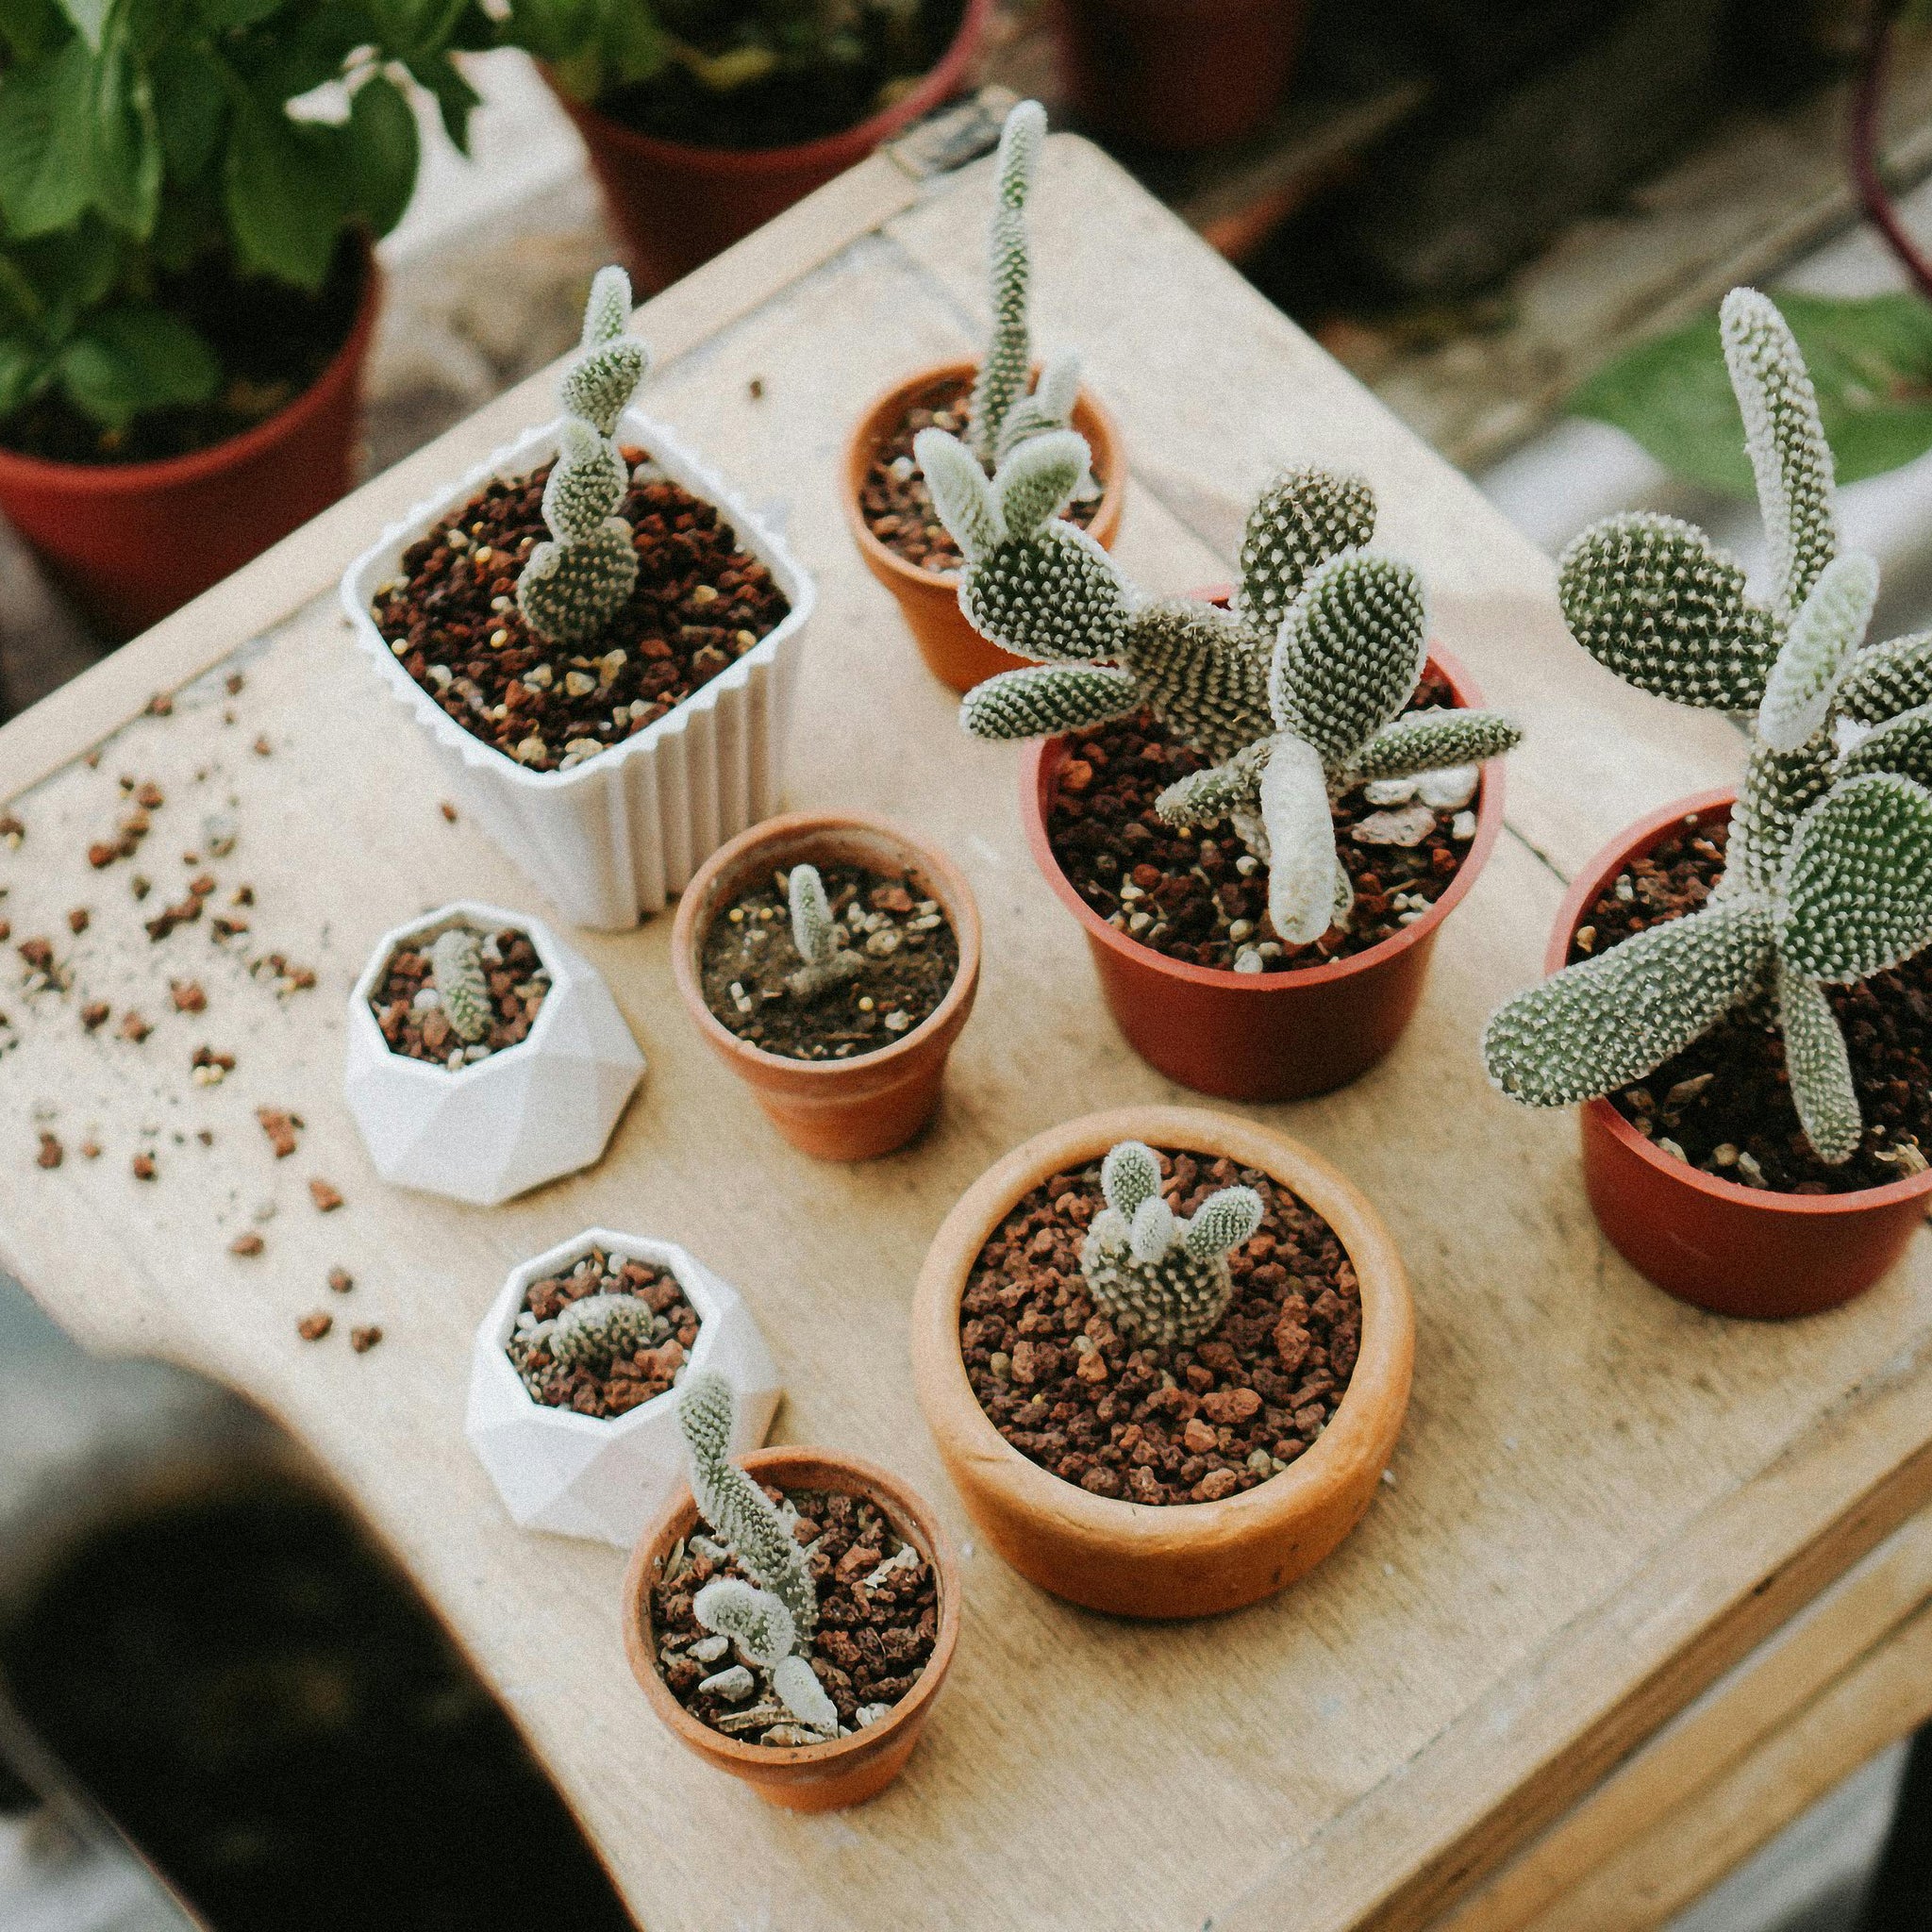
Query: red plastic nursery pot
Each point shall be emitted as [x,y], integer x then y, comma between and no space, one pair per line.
[1178,74]
[1262,1036]
[133,541]
[1719,1244]
[678,205]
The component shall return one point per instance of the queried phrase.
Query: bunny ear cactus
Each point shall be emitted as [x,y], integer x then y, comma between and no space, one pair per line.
[456,963]
[1162,1279]
[817,935]
[574,584]
[1828,877]
[598,1328]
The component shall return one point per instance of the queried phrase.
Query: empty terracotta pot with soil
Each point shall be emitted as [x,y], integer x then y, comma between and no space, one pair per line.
[1155,1478]
[1749,1245]
[900,537]
[1293,1031]
[847,1062]
[801,1778]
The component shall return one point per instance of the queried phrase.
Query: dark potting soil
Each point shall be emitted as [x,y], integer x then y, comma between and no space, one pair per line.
[272,343]
[700,602]
[898,506]
[875,1631]
[821,85]
[518,982]
[1199,895]
[617,1383]
[1160,1425]
[909,953]
[1724,1103]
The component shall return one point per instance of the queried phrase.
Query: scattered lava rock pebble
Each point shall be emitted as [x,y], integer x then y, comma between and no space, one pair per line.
[894,497]
[313,1327]
[700,602]
[622,1382]
[245,1244]
[51,1152]
[1152,1424]
[877,1618]
[1724,1103]
[910,954]
[327,1198]
[1200,895]
[417,1026]
[281,1130]
[363,1340]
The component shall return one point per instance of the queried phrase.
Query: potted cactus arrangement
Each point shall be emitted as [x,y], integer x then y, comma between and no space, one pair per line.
[704,120]
[1738,996]
[888,501]
[1261,814]
[1165,1355]
[598,636]
[831,960]
[792,1617]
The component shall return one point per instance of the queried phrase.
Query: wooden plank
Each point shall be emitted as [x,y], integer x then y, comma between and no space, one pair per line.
[1545,1582]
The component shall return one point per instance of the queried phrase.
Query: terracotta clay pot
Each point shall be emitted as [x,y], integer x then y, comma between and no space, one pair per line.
[1262,1036]
[954,653]
[833,1109]
[1716,1243]
[1192,1560]
[1178,74]
[808,1778]
[132,542]
[676,205]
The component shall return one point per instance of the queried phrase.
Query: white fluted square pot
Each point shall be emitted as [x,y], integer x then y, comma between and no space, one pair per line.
[526,1114]
[606,1477]
[615,837]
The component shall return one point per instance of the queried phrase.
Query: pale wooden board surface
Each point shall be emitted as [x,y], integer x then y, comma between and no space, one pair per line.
[1593,1479]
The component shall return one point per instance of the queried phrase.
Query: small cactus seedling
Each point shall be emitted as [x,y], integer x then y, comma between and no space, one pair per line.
[1296,693]
[819,937]
[1829,875]
[599,1328]
[574,584]
[456,963]
[1162,1280]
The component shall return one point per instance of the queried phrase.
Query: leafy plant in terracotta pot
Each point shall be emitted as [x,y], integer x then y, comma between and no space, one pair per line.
[597,635]
[707,118]
[1165,1355]
[186,288]
[1739,989]
[1259,814]
[830,961]
[792,1617]
[889,501]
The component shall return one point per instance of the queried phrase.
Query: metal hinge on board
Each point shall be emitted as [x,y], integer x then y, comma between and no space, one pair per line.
[951,135]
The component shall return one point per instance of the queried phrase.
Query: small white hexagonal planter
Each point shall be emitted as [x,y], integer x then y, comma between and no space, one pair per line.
[527,1113]
[604,1478]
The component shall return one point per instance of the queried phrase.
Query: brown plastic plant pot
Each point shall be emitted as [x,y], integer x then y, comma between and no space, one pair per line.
[805,1777]
[1181,1559]
[1262,1036]
[677,204]
[1715,1244]
[850,1109]
[954,653]
[134,541]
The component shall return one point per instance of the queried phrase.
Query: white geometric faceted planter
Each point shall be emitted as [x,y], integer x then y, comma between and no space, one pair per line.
[527,1113]
[605,1476]
[615,837]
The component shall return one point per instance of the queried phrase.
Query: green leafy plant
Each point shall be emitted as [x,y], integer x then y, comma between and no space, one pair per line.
[145,139]
[1828,874]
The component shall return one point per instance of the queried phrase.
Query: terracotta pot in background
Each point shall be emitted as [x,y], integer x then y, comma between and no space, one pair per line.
[1262,1036]
[132,542]
[809,1777]
[1183,1560]
[849,1110]
[954,653]
[1719,1244]
[1178,74]
[678,205]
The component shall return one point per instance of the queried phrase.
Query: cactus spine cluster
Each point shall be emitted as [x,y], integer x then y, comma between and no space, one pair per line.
[598,1328]
[1297,692]
[1163,1280]
[574,584]
[818,936]
[1829,875]
[455,962]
